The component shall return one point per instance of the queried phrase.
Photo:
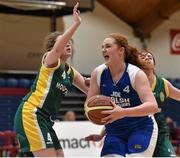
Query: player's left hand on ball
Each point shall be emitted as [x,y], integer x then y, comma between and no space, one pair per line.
[87,81]
[113,115]
[94,137]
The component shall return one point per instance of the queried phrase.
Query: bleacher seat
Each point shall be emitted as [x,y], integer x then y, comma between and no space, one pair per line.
[12,82]
[2,82]
[10,147]
[24,83]
[10,99]
[8,108]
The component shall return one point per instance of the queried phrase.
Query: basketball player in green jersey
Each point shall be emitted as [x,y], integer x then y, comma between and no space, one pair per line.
[162,89]
[33,122]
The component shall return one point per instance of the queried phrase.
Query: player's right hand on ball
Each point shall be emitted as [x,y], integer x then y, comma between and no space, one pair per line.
[113,115]
[87,81]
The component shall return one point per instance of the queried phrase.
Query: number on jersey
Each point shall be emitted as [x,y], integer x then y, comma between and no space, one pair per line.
[126,89]
[49,137]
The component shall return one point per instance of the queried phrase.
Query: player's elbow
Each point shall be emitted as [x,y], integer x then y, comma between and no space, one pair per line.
[154,107]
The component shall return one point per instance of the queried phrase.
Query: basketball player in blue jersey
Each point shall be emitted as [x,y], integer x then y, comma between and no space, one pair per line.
[162,89]
[33,122]
[130,128]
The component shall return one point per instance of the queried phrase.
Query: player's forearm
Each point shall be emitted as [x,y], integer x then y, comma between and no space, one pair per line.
[63,39]
[174,93]
[147,108]
[79,82]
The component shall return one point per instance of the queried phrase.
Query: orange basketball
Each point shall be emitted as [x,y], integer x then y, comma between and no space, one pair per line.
[95,105]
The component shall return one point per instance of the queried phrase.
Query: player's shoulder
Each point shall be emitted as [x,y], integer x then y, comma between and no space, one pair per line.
[160,79]
[132,68]
[99,69]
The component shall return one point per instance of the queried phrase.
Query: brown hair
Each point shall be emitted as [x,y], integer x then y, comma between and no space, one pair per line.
[50,40]
[131,53]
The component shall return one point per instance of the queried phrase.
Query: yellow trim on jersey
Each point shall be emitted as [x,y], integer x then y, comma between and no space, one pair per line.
[37,98]
[71,68]
[31,127]
[166,87]
[43,84]
[75,72]
[154,84]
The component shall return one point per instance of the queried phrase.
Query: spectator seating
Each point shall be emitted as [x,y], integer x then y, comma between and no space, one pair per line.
[176,143]
[13,88]
[15,83]
[8,107]
[1,143]
[2,82]
[12,82]
[11,92]
[9,146]
[24,83]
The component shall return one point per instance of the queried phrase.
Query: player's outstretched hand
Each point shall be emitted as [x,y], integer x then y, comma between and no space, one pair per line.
[76,14]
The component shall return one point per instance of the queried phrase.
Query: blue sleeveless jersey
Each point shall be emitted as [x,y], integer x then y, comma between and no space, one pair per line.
[123,94]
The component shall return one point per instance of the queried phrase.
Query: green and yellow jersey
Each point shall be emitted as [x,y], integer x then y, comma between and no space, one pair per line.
[164,147]
[33,122]
[49,87]
[160,91]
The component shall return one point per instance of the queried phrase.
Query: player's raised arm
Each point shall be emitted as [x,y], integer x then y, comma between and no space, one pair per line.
[55,53]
